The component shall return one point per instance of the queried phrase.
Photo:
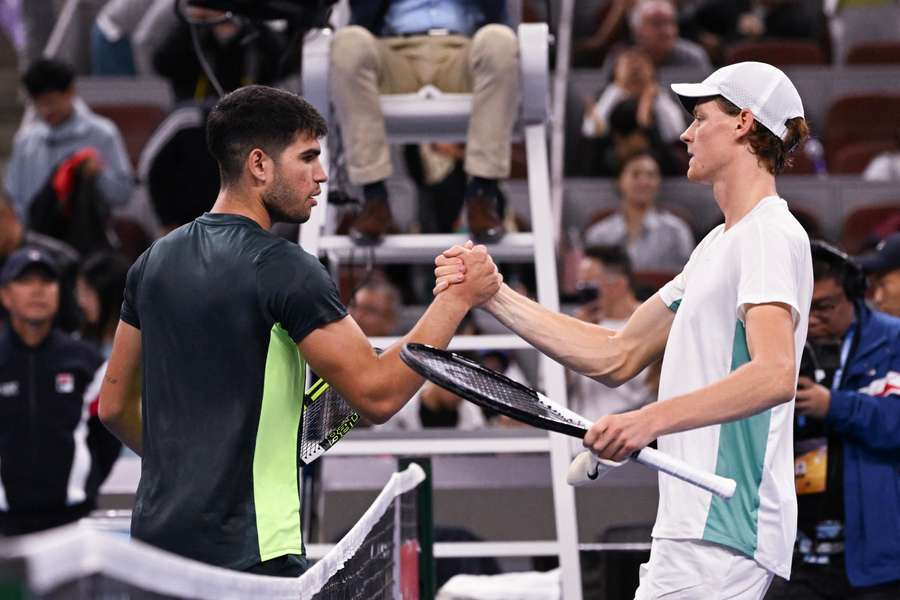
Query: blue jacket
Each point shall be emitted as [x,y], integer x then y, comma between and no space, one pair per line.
[865,412]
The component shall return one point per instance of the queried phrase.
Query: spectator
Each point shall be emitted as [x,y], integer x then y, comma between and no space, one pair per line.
[14,235]
[100,290]
[886,165]
[67,136]
[654,27]
[608,299]
[635,77]
[433,406]
[655,239]
[848,542]
[54,451]
[633,131]
[883,267]
[397,47]
[375,306]
[111,52]
[238,53]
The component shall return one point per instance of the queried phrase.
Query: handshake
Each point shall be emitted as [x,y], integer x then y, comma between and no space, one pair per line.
[468,271]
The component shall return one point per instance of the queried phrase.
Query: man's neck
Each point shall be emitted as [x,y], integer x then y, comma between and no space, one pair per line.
[240,202]
[741,189]
[32,334]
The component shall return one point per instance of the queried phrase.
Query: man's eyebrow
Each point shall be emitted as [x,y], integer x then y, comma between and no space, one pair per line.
[311,152]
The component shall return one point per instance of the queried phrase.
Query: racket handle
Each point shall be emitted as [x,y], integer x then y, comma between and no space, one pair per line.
[587,469]
[720,486]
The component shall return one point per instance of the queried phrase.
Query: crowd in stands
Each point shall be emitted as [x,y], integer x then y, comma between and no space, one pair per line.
[70,175]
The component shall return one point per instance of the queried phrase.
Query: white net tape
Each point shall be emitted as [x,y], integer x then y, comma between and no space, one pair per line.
[56,557]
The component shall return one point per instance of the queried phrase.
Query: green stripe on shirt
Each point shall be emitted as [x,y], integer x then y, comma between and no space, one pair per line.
[742,452]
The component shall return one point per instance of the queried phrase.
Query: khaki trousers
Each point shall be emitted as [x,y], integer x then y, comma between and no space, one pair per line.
[363,67]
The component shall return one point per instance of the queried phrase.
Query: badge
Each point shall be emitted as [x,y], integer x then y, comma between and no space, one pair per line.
[65,383]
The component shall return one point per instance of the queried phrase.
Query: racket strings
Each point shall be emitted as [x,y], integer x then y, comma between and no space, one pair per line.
[492,387]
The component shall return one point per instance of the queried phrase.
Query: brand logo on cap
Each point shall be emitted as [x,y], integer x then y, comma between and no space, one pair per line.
[34,255]
[9,389]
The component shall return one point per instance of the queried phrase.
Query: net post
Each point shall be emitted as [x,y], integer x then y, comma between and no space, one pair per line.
[425,518]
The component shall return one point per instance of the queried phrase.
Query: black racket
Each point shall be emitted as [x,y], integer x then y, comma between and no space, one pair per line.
[489,389]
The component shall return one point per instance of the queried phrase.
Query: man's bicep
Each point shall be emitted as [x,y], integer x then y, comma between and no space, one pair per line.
[645,334]
[339,352]
[123,373]
[770,332]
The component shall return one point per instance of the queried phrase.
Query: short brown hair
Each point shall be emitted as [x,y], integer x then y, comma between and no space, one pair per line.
[771,152]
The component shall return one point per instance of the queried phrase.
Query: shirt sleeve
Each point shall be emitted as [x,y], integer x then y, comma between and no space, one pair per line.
[296,291]
[770,269]
[129,312]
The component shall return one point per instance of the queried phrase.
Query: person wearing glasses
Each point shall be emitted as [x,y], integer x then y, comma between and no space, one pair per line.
[846,443]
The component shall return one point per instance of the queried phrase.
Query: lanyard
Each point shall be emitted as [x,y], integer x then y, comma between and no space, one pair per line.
[845,352]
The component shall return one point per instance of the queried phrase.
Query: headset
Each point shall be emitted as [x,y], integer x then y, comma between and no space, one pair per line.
[854,281]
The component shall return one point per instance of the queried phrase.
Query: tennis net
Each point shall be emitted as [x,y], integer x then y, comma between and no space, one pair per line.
[376,559]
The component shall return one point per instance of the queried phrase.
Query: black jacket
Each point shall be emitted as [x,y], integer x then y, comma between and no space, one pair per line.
[54,453]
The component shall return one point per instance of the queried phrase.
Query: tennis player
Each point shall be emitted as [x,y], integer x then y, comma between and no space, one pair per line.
[219,322]
[730,328]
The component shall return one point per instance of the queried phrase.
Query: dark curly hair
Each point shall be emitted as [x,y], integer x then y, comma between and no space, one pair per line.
[257,116]
[771,152]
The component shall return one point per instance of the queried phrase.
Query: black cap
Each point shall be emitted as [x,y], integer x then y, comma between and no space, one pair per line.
[24,258]
[886,256]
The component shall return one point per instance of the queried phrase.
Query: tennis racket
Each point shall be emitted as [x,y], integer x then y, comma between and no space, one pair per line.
[492,390]
[327,418]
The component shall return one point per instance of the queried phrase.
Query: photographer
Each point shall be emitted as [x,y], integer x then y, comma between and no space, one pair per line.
[847,443]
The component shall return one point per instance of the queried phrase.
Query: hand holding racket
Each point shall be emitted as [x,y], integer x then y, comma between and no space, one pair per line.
[494,391]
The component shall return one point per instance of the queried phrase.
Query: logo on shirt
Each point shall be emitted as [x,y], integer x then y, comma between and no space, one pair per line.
[9,389]
[65,383]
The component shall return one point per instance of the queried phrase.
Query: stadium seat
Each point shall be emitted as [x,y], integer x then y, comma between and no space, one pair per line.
[777,52]
[875,53]
[859,225]
[136,122]
[860,118]
[852,159]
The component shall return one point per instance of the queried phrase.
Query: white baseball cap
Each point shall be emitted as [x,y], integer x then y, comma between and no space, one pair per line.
[758,87]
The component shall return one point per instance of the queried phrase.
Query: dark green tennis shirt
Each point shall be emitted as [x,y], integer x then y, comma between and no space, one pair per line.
[221,303]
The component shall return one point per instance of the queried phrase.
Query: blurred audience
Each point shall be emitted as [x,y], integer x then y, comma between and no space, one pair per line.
[606,286]
[883,268]
[886,165]
[654,28]
[100,289]
[239,53]
[394,46]
[375,307]
[69,166]
[54,450]
[715,24]
[14,235]
[846,444]
[656,240]
[634,76]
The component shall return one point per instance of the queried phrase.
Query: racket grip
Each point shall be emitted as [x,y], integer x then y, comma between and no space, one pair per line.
[587,469]
[720,486]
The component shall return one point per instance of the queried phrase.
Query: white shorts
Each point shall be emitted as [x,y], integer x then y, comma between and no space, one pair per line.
[698,570]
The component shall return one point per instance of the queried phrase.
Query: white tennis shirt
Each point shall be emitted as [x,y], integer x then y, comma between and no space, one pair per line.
[764,257]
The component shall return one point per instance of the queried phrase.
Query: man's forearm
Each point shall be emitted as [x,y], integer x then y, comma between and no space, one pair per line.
[126,426]
[749,390]
[580,346]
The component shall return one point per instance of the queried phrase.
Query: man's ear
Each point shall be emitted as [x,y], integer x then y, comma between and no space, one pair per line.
[744,123]
[259,165]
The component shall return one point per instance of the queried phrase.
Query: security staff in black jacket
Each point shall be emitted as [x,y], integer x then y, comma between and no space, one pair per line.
[54,452]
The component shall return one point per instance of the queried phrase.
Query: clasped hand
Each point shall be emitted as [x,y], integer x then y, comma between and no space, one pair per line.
[470,267]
